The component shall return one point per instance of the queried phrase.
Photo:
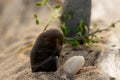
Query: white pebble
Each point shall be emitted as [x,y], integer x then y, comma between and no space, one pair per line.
[74,64]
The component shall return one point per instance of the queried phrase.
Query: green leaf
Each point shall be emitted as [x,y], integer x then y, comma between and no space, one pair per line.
[80,29]
[81,26]
[38,3]
[57,6]
[45,1]
[37,21]
[113,25]
[82,23]
[75,42]
[80,34]
[87,40]
[64,29]
[68,15]
[35,16]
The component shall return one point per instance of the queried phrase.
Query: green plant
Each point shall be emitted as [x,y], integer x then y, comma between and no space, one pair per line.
[88,38]
[53,9]
[80,37]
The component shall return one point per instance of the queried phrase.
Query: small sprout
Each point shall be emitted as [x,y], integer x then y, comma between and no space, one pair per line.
[38,3]
[37,21]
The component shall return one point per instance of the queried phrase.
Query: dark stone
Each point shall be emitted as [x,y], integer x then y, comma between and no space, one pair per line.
[45,50]
[73,12]
[48,65]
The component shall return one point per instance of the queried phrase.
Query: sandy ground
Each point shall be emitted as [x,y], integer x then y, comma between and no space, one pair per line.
[17,29]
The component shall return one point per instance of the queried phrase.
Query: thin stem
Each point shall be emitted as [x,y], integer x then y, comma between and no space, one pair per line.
[49,7]
[67,38]
[99,30]
[106,29]
[50,19]
[54,14]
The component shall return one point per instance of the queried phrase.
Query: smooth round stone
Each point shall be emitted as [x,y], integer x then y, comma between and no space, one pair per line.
[74,64]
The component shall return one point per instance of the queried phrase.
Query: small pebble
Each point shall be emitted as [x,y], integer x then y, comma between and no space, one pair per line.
[74,64]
